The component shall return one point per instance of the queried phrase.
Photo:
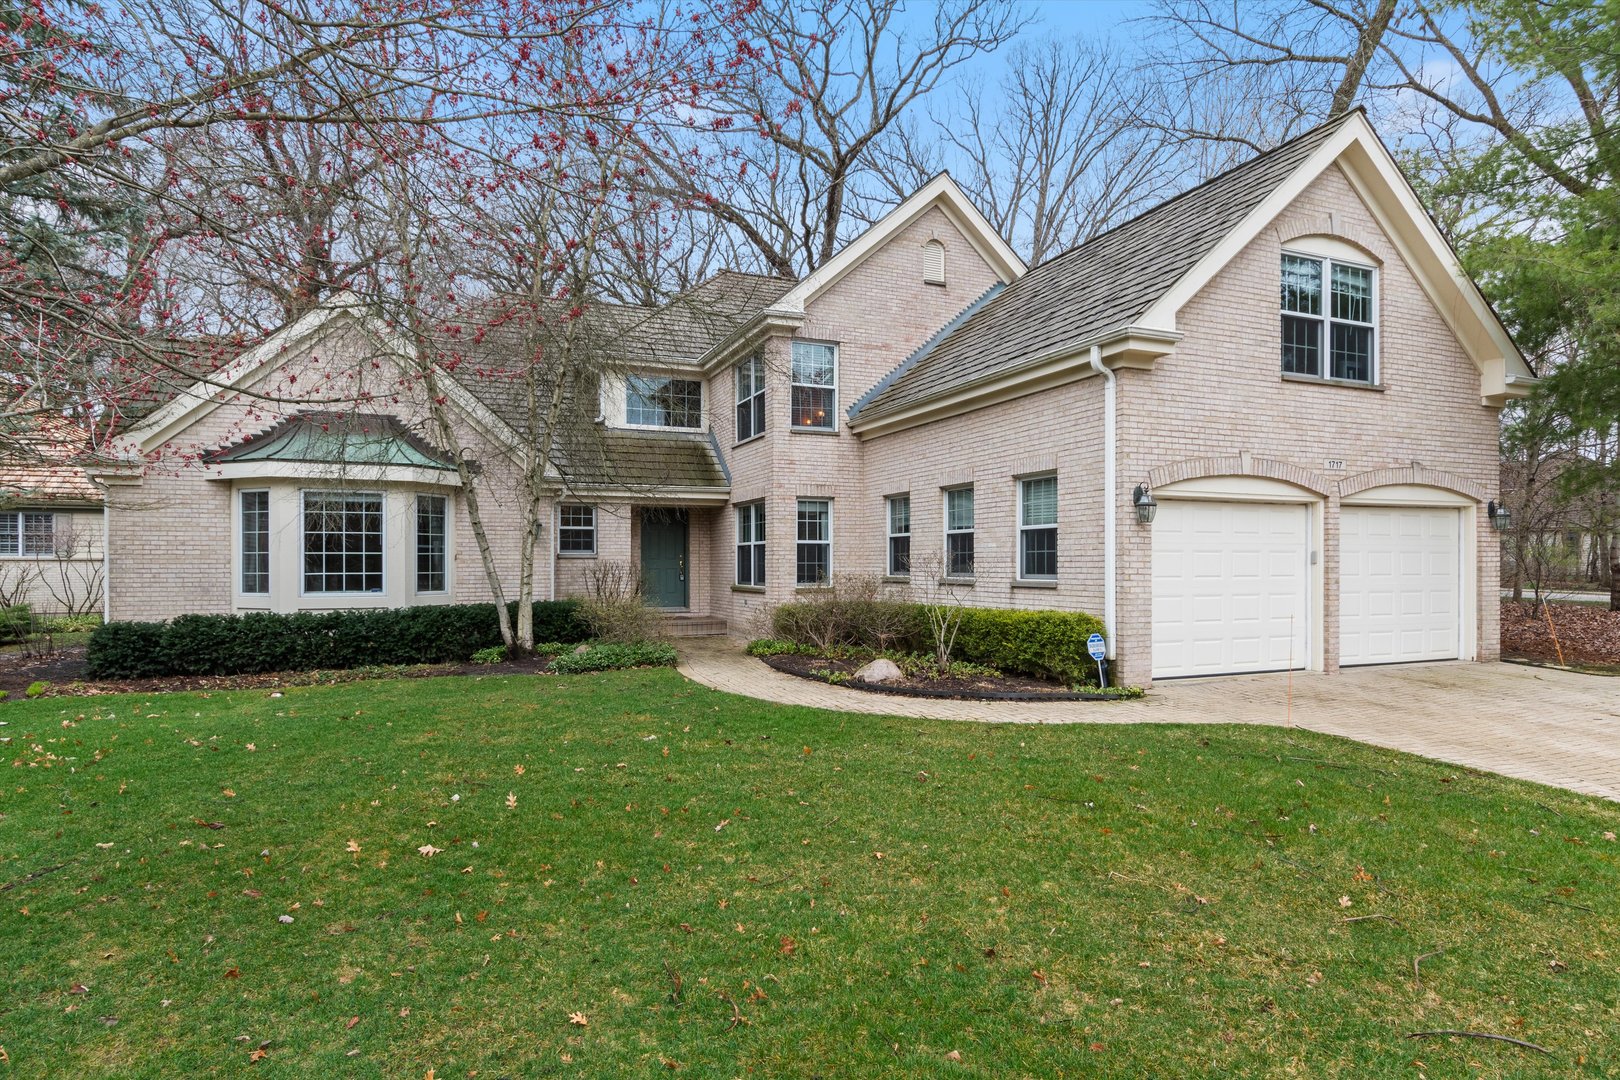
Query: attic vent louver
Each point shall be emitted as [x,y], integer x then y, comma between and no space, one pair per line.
[933,263]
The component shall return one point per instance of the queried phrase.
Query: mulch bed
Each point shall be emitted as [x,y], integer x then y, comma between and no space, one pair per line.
[64,670]
[1587,634]
[998,688]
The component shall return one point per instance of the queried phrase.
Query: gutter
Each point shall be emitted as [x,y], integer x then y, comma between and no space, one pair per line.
[1110,539]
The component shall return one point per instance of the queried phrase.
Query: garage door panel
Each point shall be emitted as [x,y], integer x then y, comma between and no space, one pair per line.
[1400,574]
[1231,586]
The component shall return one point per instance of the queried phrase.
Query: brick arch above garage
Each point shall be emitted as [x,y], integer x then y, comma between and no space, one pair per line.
[1419,475]
[1243,464]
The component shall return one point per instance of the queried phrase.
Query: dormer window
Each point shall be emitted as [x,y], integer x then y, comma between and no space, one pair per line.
[656,401]
[934,262]
[1342,328]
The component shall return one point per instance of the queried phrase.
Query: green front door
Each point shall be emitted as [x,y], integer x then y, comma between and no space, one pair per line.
[663,558]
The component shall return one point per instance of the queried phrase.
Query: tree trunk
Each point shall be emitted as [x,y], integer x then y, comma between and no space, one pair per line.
[1614,571]
[1355,67]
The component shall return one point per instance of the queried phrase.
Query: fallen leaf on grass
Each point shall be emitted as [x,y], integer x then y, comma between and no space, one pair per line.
[228,793]
[954,1055]
[427,851]
[233,973]
[511,800]
[353,1020]
[208,824]
[258,1055]
[578,1019]
[518,769]
[78,988]
[352,847]
[1345,901]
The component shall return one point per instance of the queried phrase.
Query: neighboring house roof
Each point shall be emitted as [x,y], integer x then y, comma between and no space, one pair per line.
[329,438]
[42,467]
[1107,283]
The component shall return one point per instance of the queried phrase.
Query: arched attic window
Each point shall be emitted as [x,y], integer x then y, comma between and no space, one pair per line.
[934,263]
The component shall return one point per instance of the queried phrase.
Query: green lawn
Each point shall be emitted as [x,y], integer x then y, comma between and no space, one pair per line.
[727,888]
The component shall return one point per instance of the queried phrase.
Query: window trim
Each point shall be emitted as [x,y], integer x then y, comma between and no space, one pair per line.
[757,384]
[21,533]
[757,555]
[1022,528]
[888,524]
[948,532]
[446,517]
[832,414]
[703,402]
[241,542]
[303,540]
[563,508]
[1325,319]
[827,543]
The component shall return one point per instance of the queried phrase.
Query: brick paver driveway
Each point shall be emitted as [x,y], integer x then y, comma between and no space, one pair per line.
[1553,727]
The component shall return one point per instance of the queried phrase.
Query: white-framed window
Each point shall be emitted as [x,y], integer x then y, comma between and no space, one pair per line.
[432,543]
[959,532]
[343,542]
[899,509]
[1037,528]
[255,524]
[24,532]
[751,397]
[814,379]
[751,544]
[813,558]
[576,530]
[661,401]
[1328,319]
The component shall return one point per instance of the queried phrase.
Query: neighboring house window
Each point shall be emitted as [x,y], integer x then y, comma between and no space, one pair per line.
[576,534]
[343,542]
[1037,528]
[934,263]
[751,544]
[431,535]
[22,533]
[751,397]
[959,532]
[653,401]
[900,536]
[815,386]
[256,542]
[1343,330]
[815,542]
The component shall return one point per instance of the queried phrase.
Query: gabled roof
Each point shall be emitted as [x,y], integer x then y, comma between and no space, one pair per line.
[1106,283]
[330,438]
[1131,281]
[698,319]
[45,462]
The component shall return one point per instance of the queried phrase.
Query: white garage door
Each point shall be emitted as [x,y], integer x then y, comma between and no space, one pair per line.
[1231,587]
[1400,571]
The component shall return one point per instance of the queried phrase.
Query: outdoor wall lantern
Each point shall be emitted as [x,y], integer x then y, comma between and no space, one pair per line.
[1501,517]
[1142,498]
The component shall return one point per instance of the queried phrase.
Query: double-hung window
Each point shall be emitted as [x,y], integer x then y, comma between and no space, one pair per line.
[814,557]
[431,543]
[1327,319]
[900,536]
[1037,528]
[255,542]
[343,542]
[815,386]
[751,544]
[24,533]
[655,401]
[576,530]
[751,397]
[959,532]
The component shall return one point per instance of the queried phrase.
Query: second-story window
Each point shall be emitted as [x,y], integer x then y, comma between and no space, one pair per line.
[1327,319]
[657,401]
[815,386]
[751,397]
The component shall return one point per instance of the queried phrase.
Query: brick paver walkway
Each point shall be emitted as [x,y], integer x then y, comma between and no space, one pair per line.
[1553,727]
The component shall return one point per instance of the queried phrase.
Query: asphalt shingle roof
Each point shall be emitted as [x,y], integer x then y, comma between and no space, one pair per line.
[1106,283]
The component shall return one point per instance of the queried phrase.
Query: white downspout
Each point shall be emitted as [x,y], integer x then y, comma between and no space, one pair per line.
[1110,407]
[106,554]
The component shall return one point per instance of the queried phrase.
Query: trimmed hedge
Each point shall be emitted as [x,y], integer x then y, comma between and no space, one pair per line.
[1040,644]
[307,641]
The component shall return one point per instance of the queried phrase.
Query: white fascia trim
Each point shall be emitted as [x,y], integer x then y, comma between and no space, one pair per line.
[345,474]
[941,191]
[202,397]
[746,337]
[1375,177]
[1055,367]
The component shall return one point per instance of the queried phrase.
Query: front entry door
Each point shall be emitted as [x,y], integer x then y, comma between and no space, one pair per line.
[664,558]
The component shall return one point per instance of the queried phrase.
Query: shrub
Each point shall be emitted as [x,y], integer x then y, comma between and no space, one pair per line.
[37,688]
[1040,644]
[611,656]
[850,612]
[615,609]
[16,622]
[775,647]
[492,655]
[308,640]
[72,624]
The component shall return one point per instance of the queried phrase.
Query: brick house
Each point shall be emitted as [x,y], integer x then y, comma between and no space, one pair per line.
[1285,364]
[50,520]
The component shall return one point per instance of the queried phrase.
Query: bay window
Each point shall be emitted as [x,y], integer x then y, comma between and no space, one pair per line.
[751,397]
[431,543]
[255,542]
[343,542]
